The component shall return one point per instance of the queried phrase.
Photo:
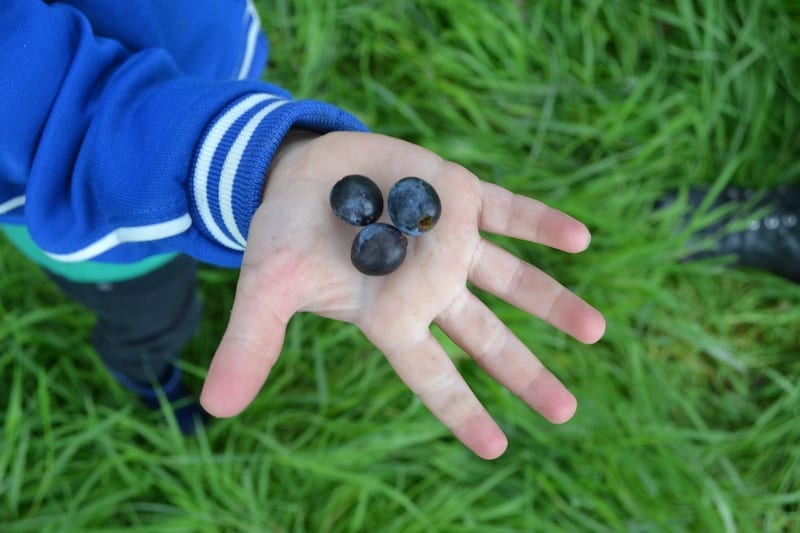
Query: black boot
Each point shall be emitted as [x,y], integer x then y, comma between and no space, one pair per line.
[771,238]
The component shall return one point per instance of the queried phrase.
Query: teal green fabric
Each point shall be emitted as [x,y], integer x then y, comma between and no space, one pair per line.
[85,271]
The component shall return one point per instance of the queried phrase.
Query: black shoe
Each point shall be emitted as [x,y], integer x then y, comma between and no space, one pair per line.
[187,411]
[770,239]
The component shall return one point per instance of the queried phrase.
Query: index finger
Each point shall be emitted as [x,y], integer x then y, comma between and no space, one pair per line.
[513,215]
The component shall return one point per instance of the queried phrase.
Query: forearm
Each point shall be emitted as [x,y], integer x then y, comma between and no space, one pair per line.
[114,155]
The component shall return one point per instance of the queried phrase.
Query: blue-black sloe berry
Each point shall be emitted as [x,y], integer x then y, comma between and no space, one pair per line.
[414,206]
[356,200]
[378,249]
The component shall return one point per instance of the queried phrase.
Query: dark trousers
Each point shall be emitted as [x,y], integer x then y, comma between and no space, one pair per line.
[142,323]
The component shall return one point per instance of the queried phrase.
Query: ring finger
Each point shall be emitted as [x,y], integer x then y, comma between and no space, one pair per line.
[478,331]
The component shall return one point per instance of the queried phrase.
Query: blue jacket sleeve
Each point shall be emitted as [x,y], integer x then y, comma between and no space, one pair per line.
[115,153]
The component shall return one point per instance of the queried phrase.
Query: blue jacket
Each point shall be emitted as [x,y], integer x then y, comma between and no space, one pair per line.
[129,129]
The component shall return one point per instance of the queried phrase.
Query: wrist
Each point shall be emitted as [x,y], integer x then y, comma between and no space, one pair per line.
[293,145]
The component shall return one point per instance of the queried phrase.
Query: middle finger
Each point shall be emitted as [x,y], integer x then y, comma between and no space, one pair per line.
[478,331]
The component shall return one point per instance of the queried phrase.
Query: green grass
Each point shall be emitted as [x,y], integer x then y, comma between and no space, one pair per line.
[688,417]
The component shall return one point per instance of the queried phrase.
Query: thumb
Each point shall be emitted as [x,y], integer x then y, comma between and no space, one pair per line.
[249,347]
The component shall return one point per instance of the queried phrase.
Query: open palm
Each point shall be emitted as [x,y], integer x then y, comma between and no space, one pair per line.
[298,259]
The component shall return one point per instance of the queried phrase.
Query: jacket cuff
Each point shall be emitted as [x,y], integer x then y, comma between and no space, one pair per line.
[235,152]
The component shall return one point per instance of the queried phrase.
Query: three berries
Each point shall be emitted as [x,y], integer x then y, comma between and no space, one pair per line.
[378,249]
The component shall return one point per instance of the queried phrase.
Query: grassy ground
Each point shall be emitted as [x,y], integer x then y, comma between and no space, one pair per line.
[688,407]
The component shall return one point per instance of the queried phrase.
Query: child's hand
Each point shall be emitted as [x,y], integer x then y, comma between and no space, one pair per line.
[298,259]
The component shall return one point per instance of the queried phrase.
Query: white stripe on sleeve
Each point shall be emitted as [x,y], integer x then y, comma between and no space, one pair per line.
[10,205]
[206,155]
[150,232]
[252,39]
[231,167]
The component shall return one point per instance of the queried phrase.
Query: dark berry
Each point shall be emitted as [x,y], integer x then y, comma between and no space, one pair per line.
[414,206]
[378,249]
[357,200]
